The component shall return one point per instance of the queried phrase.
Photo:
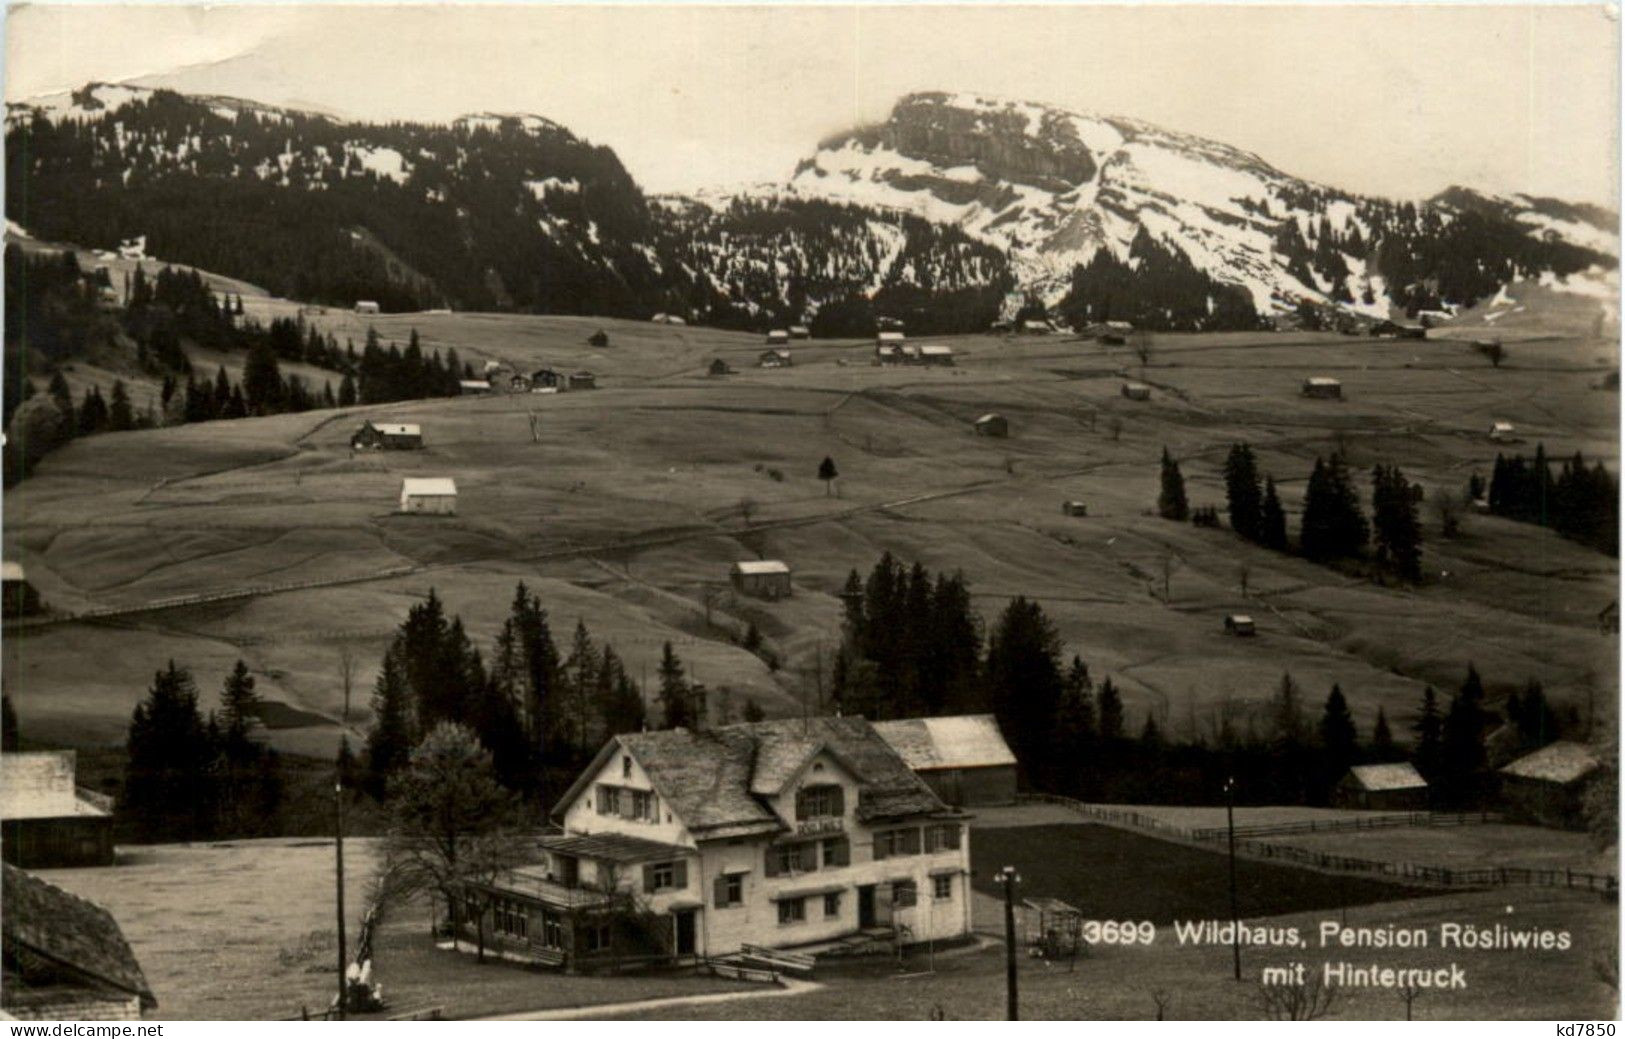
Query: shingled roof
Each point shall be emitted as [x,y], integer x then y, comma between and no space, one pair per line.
[957,741]
[707,777]
[1399,775]
[74,936]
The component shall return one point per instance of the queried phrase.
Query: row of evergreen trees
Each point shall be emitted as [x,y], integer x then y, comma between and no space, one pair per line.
[540,713]
[1581,502]
[191,776]
[1333,525]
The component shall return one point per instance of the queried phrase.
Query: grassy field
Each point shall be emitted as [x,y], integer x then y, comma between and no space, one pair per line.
[245,931]
[237,931]
[629,506]
[1195,982]
[1464,847]
[1113,874]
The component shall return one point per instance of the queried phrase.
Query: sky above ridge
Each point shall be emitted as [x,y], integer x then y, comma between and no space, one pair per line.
[1397,101]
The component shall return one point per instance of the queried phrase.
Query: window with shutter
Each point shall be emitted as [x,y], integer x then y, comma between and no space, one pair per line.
[719,892]
[837,798]
[770,862]
[648,878]
[911,841]
[837,852]
[679,874]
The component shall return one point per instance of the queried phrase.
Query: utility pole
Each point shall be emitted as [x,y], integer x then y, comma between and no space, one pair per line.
[346,673]
[1235,917]
[338,853]
[1009,879]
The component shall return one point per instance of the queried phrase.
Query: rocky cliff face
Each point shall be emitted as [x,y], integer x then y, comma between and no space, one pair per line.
[1055,187]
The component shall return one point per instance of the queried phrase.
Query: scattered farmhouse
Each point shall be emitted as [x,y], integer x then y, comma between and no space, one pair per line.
[1074,508]
[775,358]
[992,425]
[1136,391]
[1395,786]
[889,324]
[547,379]
[133,248]
[778,337]
[719,367]
[683,844]
[366,306]
[888,353]
[1546,787]
[583,380]
[46,820]
[890,339]
[762,578]
[1240,624]
[599,339]
[668,319]
[1395,330]
[65,957]
[1503,432]
[430,495]
[937,354]
[963,758]
[18,598]
[387,436]
[1036,328]
[1322,387]
[800,332]
[473,387]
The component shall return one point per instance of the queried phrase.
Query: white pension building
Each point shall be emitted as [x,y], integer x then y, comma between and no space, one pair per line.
[693,844]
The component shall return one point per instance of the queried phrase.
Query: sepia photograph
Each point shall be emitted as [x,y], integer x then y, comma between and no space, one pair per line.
[667,512]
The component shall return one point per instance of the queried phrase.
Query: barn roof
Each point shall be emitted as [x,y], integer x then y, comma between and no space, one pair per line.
[960,741]
[11,571]
[1321,380]
[41,785]
[1399,775]
[399,429]
[474,384]
[1563,762]
[707,777]
[429,486]
[936,350]
[891,337]
[761,566]
[68,931]
[991,416]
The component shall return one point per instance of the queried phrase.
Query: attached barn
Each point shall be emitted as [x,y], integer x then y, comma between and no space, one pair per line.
[963,758]
[992,425]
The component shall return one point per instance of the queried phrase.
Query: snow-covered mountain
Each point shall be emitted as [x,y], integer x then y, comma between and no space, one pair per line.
[1054,187]
[943,214]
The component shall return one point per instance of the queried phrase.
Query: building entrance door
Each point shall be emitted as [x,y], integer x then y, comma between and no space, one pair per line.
[866,906]
[685,931]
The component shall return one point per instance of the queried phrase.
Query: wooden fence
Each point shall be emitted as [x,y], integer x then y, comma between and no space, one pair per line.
[1399,872]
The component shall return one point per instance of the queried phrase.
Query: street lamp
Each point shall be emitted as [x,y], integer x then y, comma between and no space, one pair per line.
[1009,878]
[1235,917]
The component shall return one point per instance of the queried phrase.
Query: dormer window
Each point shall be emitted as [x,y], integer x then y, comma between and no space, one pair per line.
[820,802]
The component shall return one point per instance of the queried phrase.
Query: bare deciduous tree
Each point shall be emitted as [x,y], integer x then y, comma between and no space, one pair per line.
[1449,507]
[1308,1000]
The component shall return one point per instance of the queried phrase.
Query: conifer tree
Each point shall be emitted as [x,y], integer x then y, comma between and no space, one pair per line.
[390,741]
[1110,709]
[8,726]
[1242,493]
[676,699]
[1337,736]
[1171,502]
[1272,519]
[1429,729]
[120,416]
[169,783]
[1382,739]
